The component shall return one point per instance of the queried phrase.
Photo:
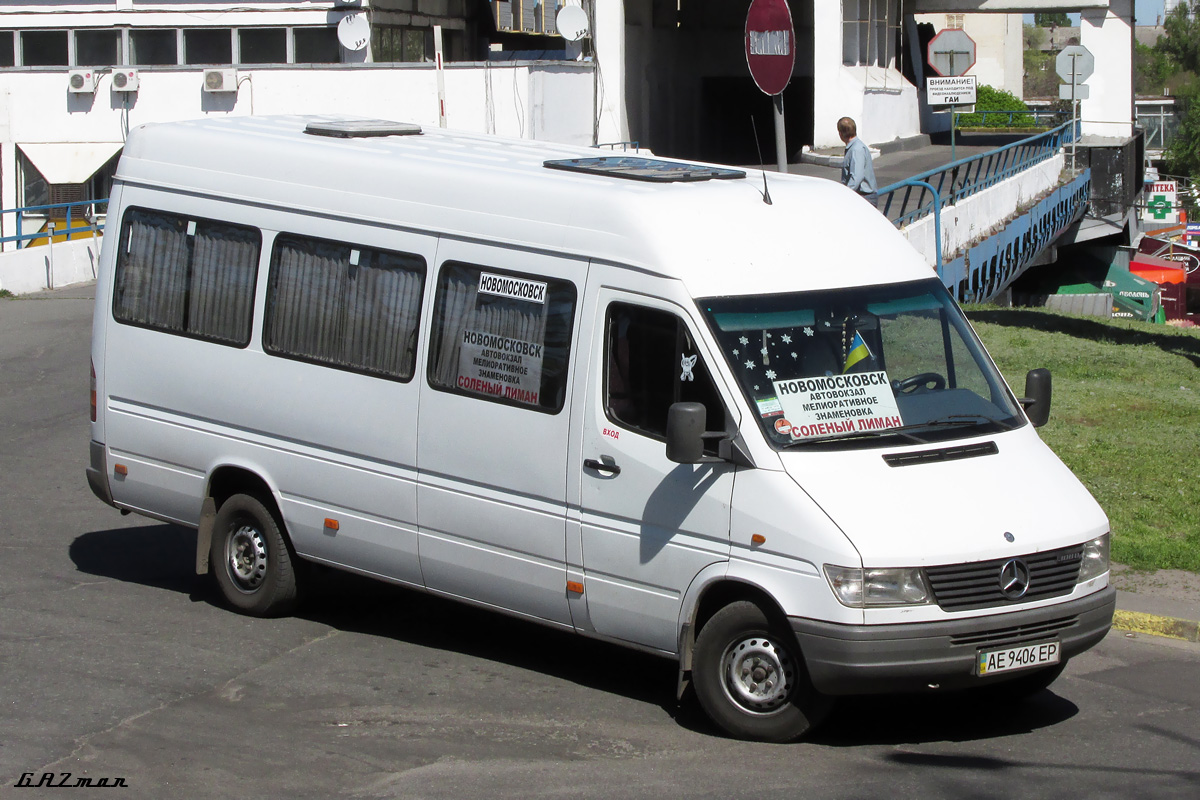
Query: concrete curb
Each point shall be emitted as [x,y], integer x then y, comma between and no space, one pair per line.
[1155,625]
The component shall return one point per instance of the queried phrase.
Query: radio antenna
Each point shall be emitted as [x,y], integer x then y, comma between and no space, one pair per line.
[766,193]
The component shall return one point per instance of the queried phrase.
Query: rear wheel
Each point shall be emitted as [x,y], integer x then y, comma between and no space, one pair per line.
[250,558]
[750,680]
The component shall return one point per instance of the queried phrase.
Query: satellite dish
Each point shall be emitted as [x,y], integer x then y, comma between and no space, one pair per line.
[354,31]
[572,23]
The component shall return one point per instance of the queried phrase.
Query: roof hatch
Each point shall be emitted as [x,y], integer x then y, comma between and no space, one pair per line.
[645,169]
[360,128]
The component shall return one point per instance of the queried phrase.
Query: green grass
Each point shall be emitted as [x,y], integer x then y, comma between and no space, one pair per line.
[1125,418]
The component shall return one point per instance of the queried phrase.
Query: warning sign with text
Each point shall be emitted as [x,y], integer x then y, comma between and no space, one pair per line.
[833,404]
[500,367]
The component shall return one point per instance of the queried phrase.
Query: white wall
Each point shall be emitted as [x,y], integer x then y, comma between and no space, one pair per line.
[1108,34]
[49,267]
[550,101]
[974,217]
[882,103]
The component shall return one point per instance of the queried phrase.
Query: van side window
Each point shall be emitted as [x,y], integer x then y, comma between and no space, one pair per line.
[651,361]
[189,276]
[502,336]
[344,306]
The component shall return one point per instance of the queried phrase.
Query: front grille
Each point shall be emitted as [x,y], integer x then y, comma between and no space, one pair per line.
[1016,634]
[961,587]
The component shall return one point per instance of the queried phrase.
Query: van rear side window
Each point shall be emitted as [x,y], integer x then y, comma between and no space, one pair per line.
[189,276]
[502,336]
[344,306]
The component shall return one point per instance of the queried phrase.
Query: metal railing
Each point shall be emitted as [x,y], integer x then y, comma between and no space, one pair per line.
[1039,117]
[47,218]
[906,201]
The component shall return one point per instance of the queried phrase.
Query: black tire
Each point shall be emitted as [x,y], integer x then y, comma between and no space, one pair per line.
[739,661]
[1024,687]
[250,559]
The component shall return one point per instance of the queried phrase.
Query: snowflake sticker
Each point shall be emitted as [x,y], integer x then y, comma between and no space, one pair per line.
[785,339]
[737,352]
[795,356]
[750,365]
[763,351]
[808,332]
[770,376]
[744,341]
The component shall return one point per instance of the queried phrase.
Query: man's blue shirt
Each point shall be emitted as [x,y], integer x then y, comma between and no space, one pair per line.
[857,171]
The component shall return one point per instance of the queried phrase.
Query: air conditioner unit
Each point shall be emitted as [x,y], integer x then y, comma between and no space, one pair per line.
[125,80]
[220,80]
[82,81]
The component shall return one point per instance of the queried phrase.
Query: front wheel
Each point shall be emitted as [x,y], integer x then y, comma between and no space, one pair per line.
[750,680]
[250,558]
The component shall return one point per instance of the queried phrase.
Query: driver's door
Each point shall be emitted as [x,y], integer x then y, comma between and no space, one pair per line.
[648,525]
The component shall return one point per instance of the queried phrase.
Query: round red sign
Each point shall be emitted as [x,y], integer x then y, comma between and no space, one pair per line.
[770,44]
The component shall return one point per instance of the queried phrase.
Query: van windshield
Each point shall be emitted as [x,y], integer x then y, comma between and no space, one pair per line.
[861,364]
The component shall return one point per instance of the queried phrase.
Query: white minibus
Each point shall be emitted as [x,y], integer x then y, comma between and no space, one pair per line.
[729,418]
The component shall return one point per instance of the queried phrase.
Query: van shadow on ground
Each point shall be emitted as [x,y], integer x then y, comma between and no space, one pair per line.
[1094,330]
[162,557]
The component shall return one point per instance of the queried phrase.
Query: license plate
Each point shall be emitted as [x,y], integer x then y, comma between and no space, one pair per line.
[1024,657]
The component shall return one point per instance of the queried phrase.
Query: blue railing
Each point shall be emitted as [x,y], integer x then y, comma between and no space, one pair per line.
[1038,117]
[908,200]
[66,213]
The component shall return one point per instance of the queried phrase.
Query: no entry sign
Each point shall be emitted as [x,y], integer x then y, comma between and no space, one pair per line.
[770,44]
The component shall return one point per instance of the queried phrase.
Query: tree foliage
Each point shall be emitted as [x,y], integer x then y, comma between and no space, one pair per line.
[988,98]
[1181,44]
[1054,19]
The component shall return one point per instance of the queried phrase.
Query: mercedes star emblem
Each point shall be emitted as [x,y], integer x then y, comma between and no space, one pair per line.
[1014,579]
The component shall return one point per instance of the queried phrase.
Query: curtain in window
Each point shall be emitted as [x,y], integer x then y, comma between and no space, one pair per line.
[309,280]
[152,277]
[360,316]
[224,265]
[464,310]
[383,308]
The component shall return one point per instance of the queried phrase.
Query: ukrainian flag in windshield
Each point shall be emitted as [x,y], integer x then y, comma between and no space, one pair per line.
[858,352]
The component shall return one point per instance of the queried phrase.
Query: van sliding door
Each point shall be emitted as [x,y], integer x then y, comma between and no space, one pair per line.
[494,420]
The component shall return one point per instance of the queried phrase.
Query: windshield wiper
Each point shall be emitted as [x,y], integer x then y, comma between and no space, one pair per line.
[904,431]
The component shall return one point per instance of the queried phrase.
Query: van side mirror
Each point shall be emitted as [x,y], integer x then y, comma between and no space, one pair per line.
[685,432]
[1037,396]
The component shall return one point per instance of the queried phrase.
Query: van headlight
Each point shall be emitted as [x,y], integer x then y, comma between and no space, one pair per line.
[863,588]
[1095,559]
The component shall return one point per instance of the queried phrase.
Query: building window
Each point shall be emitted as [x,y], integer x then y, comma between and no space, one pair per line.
[870,32]
[401,43]
[316,46]
[44,48]
[344,306]
[97,48]
[189,276]
[153,47]
[502,337]
[8,50]
[954,21]
[35,190]
[262,46]
[208,46]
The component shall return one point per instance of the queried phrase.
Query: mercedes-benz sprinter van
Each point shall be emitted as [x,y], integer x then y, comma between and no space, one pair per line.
[730,419]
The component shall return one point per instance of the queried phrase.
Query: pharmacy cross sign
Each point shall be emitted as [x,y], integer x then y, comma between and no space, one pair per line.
[770,44]
[1160,206]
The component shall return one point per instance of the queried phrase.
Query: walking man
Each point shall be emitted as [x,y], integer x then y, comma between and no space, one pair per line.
[857,171]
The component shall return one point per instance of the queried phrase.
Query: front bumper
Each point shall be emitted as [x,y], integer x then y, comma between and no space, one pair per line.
[871,659]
